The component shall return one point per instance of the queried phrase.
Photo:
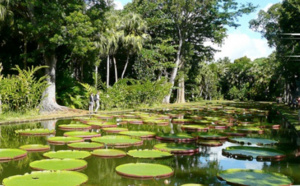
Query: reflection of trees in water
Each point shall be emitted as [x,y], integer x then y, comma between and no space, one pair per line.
[49,124]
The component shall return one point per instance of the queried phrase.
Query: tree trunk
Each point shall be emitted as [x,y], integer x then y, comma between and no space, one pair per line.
[125,67]
[175,69]
[81,71]
[116,70]
[48,103]
[96,76]
[107,72]
[180,91]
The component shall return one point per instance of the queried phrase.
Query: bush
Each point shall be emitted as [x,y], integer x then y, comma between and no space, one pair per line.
[129,93]
[22,92]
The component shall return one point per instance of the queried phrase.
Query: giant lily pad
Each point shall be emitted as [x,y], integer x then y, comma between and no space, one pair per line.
[59,164]
[61,140]
[144,170]
[82,134]
[180,137]
[258,141]
[98,125]
[210,143]
[247,152]
[117,140]
[35,147]
[72,154]
[253,177]
[114,129]
[11,154]
[35,132]
[74,127]
[195,128]
[148,154]
[250,130]
[47,178]
[109,153]
[85,146]
[175,148]
[141,134]
[192,184]
[181,121]
[211,136]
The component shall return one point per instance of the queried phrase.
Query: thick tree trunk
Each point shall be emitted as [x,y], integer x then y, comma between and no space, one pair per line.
[180,91]
[107,72]
[48,103]
[125,67]
[175,69]
[116,69]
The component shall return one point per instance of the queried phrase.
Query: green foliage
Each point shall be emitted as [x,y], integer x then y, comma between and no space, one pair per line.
[22,92]
[129,93]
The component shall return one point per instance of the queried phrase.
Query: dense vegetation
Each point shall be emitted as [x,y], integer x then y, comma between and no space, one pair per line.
[150,52]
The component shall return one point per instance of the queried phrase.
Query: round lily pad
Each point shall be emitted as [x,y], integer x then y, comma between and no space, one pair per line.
[258,141]
[210,143]
[181,121]
[212,136]
[98,125]
[72,154]
[35,147]
[249,152]
[180,137]
[175,148]
[253,177]
[192,184]
[75,127]
[114,129]
[102,116]
[85,146]
[117,140]
[47,178]
[141,134]
[82,134]
[250,130]
[144,170]
[61,140]
[35,132]
[109,153]
[148,154]
[11,154]
[59,164]
[195,128]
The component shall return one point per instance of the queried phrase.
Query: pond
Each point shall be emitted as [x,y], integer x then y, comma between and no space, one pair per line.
[211,129]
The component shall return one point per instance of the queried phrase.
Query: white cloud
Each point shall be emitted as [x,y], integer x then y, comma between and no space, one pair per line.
[238,45]
[268,6]
[118,5]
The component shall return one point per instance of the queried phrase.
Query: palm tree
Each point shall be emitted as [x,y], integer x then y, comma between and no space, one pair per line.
[134,35]
[3,9]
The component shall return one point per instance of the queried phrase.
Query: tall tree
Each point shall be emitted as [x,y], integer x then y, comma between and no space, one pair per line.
[135,35]
[190,22]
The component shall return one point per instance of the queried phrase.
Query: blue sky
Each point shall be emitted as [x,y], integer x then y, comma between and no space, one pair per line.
[241,41]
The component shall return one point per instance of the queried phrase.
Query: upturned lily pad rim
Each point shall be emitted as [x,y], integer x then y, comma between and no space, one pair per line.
[55,140]
[96,146]
[228,171]
[35,147]
[114,129]
[227,150]
[20,154]
[102,153]
[59,154]
[143,134]
[82,134]
[108,140]
[35,132]
[135,154]
[212,136]
[241,141]
[74,127]
[36,174]
[51,161]
[210,143]
[186,148]
[120,170]
[176,137]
